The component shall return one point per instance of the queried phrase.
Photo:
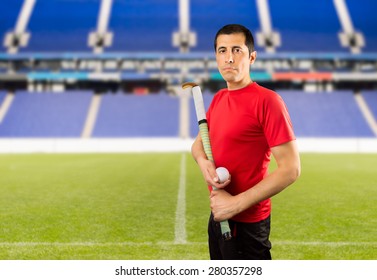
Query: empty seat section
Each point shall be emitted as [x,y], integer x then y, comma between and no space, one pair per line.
[207,17]
[57,25]
[8,18]
[365,21]
[128,115]
[306,25]
[333,114]
[143,25]
[62,25]
[46,115]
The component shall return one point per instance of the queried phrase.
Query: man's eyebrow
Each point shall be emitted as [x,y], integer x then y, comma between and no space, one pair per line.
[233,47]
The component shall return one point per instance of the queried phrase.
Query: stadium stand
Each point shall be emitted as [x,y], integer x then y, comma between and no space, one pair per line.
[57,56]
[61,26]
[46,114]
[128,115]
[312,29]
[325,114]
[362,13]
[209,15]
[143,25]
[8,17]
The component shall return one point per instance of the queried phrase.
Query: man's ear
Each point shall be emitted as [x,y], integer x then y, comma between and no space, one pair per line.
[253,57]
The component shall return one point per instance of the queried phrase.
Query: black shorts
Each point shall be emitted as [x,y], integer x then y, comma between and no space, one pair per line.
[250,241]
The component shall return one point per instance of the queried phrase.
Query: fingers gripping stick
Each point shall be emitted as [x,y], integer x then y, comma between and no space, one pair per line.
[203,130]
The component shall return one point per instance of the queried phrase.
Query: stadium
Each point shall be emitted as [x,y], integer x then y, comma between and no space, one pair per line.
[96,131]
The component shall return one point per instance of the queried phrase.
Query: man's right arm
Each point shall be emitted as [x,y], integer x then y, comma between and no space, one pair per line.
[197,150]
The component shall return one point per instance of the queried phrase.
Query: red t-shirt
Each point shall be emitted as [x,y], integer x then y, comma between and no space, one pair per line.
[243,125]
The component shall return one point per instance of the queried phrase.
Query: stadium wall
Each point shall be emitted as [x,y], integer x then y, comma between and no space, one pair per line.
[141,145]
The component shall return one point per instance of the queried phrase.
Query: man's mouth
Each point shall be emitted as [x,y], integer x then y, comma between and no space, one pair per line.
[229,68]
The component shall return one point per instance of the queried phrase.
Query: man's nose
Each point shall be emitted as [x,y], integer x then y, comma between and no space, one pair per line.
[229,58]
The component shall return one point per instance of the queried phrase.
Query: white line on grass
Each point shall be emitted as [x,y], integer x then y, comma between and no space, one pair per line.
[170,243]
[324,243]
[180,214]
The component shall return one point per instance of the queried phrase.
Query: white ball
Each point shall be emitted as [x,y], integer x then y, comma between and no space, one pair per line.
[223,174]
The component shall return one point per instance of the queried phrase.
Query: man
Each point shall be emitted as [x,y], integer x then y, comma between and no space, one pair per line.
[247,123]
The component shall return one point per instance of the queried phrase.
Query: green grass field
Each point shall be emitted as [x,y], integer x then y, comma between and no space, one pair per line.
[123,206]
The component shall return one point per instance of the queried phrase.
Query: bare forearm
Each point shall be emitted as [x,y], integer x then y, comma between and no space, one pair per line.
[197,150]
[271,185]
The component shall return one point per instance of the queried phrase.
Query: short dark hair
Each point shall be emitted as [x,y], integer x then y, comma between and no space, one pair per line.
[237,28]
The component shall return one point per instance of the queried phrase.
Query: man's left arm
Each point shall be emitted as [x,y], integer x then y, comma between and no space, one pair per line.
[224,206]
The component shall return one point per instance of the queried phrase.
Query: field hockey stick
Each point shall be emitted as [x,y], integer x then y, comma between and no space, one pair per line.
[203,130]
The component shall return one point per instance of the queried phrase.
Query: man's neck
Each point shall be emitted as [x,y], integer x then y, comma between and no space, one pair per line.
[239,85]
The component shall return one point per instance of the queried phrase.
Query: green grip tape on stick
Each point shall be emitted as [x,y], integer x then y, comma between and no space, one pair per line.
[203,129]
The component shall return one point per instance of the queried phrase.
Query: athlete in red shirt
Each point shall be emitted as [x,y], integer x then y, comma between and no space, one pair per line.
[247,123]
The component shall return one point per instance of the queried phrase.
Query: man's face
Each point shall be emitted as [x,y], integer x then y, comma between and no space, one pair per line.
[233,59]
